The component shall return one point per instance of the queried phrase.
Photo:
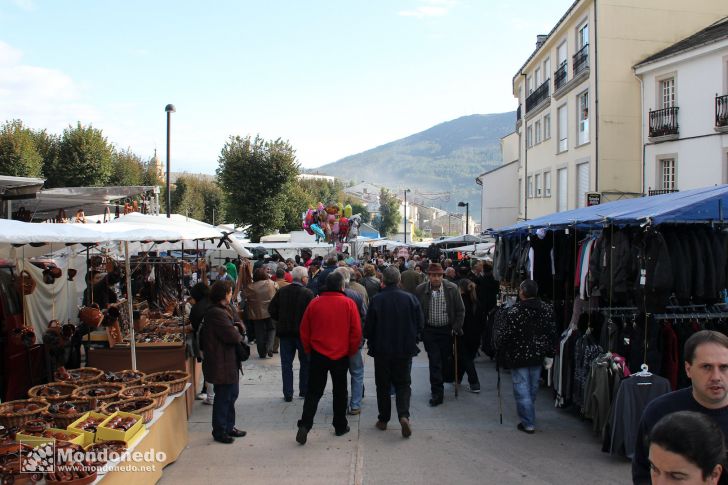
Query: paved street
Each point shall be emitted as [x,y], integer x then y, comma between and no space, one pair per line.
[460,442]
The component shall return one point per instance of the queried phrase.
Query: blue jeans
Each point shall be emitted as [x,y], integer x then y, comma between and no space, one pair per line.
[223,409]
[356,369]
[525,388]
[288,348]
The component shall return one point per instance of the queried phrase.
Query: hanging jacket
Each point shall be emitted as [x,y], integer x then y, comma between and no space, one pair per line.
[525,333]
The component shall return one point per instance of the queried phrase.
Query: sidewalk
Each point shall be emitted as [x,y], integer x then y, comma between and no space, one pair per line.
[460,442]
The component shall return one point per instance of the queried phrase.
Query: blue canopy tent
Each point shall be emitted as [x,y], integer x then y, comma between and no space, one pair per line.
[703,205]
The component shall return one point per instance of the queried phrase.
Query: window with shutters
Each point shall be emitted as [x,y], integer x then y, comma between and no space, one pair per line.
[563,128]
[562,189]
[583,117]
[537,132]
[529,136]
[547,184]
[667,174]
[537,181]
[537,75]
[582,183]
[547,68]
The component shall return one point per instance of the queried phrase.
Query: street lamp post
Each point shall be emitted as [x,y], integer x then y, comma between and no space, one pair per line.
[169,109]
[405,215]
[467,215]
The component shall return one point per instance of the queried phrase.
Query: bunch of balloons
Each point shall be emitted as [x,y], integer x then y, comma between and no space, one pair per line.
[331,224]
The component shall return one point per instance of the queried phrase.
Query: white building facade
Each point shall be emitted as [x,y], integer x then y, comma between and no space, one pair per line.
[685,113]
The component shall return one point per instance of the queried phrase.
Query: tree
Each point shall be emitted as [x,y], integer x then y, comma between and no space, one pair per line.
[198,198]
[47,145]
[361,209]
[389,217]
[127,168]
[19,154]
[294,204]
[252,174]
[84,159]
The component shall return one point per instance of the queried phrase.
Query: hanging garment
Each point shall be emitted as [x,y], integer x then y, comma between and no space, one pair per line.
[670,355]
[634,394]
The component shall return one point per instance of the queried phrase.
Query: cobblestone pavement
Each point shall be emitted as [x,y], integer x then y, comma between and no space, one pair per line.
[460,442]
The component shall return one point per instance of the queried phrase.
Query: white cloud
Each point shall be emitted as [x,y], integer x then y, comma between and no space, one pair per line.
[41,97]
[430,8]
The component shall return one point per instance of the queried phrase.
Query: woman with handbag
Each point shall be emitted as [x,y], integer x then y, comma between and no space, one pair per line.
[221,341]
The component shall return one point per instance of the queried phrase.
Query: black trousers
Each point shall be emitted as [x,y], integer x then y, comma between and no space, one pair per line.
[438,344]
[223,409]
[395,372]
[466,364]
[265,334]
[318,369]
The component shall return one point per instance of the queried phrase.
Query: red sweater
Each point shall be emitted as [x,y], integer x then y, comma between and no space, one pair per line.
[331,326]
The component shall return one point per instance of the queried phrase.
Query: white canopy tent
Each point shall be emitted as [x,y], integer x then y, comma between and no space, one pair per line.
[132,228]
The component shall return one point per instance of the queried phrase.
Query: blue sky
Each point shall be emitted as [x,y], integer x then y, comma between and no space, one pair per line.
[333,77]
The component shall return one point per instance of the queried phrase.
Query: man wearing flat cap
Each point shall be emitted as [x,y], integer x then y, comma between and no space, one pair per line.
[444,313]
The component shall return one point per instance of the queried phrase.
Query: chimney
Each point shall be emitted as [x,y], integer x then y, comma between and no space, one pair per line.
[540,39]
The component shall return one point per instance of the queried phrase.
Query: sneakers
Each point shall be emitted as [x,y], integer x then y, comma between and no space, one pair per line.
[209,401]
[302,435]
[521,427]
[342,432]
[406,430]
[474,388]
[381,425]
[353,411]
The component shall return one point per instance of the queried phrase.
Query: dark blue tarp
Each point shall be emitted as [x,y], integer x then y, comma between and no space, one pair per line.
[706,204]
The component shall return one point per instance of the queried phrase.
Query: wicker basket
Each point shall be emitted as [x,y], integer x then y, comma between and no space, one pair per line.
[146,412]
[126,377]
[175,379]
[82,376]
[66,388]
[112,395]
[62,420]
[14,419]
[158,392]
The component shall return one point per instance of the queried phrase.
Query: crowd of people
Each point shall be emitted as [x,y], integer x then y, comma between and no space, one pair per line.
[326,311]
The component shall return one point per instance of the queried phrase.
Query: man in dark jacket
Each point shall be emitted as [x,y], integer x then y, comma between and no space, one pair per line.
[444,313]
[326,270]
[221,365]
[525,334]
[287,308]
[393,323]
[411,279]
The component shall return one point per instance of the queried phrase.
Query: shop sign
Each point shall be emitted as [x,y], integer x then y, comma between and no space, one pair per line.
[593,198]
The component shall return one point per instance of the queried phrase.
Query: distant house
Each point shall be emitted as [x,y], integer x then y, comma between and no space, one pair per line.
[315,176]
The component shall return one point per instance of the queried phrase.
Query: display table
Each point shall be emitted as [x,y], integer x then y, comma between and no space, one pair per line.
[166,433]
[149,359]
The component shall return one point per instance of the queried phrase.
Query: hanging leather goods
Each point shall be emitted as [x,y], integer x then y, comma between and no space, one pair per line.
[91,315]
[25,283]
[71,273]
[110,265]
[116,215]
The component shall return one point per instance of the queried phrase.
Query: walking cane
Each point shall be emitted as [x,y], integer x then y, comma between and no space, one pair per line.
[500,398]
[455,354]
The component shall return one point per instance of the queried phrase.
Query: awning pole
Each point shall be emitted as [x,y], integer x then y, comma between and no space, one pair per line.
[132,338]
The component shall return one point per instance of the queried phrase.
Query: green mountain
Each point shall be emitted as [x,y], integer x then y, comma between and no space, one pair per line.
[439,165]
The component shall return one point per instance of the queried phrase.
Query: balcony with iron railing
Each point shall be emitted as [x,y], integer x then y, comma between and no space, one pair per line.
[721,111]
[663,122]
[541,94]
[561,75]
[651,192]
[581,60]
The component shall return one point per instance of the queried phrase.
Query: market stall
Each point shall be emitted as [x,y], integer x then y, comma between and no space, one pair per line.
[89,389]
[630,281]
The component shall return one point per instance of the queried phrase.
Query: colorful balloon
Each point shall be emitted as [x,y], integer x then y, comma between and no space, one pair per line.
[318,231]
[347,210]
